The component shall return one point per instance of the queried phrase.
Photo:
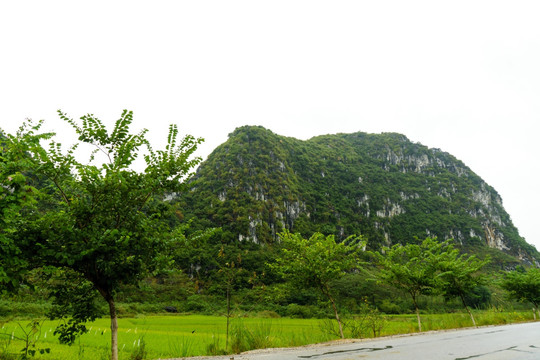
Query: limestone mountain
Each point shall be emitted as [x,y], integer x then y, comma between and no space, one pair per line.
[380,185]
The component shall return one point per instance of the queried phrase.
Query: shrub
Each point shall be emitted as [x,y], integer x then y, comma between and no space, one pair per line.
[196,303]
[478,298]
[269,314]
[388,307]
[23,309]
[304,311]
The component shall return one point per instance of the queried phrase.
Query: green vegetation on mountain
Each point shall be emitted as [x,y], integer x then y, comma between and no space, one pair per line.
[382,186]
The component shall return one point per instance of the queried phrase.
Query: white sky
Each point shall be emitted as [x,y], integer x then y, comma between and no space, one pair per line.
[462,76]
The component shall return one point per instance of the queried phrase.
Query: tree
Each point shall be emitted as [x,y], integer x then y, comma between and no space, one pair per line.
[459,275]
[102,223]
[17,198]
[523,285]
[411,268]
[230,269]
[317,262]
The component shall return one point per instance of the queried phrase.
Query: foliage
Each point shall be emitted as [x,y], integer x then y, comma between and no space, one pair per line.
[412,268]
[433,268]
[29,335]
[317,261]
[72,295]
[103,222]
[17,198]
[460,275]
[523,285]
[368,321]
[478,298]
[383,186]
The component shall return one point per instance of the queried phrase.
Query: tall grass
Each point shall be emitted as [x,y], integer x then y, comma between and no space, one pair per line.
[248,337]
[182,346]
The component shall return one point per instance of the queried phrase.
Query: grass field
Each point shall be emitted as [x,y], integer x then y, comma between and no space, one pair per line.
[190,335]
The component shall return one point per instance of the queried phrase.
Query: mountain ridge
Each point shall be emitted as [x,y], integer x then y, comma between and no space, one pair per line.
[380,185]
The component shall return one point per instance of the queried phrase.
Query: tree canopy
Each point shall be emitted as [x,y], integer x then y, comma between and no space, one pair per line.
[17,198]
[523,285]
[318,261]
[460,275]
[412,268]
[100,222]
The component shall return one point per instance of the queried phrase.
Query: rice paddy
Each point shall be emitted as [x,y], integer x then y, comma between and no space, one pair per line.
[173,336]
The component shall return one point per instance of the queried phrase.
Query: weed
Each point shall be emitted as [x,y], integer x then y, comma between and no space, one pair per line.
[244,338]
[182,347]
[5,342]
[329,327]
[214,347]
[31,333]
[140,352]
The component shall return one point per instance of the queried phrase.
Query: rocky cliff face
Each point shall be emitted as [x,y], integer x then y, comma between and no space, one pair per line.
[383,186]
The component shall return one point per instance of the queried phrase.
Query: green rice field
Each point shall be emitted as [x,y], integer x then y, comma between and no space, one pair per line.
[161,337]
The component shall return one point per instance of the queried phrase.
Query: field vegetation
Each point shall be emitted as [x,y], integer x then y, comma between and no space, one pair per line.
[170,336]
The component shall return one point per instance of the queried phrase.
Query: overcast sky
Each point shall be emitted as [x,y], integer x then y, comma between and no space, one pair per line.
[462,76]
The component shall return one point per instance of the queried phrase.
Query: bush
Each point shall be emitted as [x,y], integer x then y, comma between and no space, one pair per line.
[23,309]
[388,307]
[304,311]
[197,303]
[132,309]
[268,314]
[479,298]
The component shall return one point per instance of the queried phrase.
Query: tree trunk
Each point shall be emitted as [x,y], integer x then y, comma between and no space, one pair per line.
[114,329]
[417,314]
[468,310]
[337,315]
[114,320]
[228,317]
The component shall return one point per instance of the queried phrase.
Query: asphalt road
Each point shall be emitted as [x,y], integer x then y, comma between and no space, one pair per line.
[508,342]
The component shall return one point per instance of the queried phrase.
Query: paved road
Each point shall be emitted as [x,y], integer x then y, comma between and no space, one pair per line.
[508,342]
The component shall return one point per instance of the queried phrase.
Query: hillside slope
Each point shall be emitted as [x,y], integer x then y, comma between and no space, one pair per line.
[380,185]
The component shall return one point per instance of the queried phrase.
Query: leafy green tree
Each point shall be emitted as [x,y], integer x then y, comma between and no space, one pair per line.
[17,198]
[317,262]
[459,275]
[411,268]
[523,285]
[102,223]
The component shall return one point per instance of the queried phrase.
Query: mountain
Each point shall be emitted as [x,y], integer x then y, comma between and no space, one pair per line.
[382,186]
